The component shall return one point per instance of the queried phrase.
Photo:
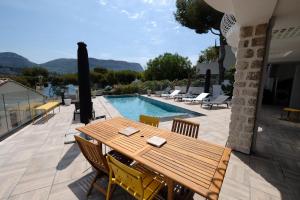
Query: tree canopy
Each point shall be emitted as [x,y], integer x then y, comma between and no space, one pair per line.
[35,71]
[168,66]
[210,54]
[199,16]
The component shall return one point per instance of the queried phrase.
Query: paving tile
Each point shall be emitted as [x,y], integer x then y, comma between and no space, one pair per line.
[39,194]
[232,189]
[72,171]
[75,189]
[260,195]
[9,180]
[35,180]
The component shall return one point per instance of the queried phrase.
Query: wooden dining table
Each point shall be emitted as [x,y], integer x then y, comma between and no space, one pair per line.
[193,163]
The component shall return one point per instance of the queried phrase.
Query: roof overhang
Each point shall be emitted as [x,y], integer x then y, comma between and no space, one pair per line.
[246,12]
[285,40]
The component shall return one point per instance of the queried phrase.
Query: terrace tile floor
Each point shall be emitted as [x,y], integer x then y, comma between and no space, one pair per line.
[36,164]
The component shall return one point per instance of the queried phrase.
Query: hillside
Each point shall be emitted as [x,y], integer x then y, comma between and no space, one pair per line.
[9,59]
[64,65]
[12,63]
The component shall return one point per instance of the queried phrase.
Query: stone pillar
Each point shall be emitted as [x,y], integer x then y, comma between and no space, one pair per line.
[249,65]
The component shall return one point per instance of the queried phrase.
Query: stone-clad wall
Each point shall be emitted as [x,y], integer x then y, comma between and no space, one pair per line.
[249,64]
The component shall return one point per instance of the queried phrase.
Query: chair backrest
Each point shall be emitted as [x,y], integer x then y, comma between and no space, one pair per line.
[220,99]
[175,92]
[126,177]
[195,90]
[153,121]
[77,105]
[202,96]
[217,90]
[185,127]
[93,153]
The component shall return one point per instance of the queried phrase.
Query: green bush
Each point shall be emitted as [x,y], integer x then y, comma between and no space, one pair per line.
[125,89]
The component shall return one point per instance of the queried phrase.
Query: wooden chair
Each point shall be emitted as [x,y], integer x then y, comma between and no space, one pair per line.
[190,129]
[152,121]
[137,180]
[94,155]
[185,127]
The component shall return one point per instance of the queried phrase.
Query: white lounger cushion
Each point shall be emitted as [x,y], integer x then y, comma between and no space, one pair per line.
[200,97]
[175,92]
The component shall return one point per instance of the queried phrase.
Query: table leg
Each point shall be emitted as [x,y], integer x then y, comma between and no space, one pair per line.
[170,183]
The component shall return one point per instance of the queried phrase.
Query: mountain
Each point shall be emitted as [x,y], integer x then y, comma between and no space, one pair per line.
[64,65]
[8,59]
[12,63]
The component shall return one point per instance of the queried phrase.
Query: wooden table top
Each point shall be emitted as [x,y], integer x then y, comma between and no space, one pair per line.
[196,164]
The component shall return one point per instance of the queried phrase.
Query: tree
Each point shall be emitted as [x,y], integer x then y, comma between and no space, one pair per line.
[125,76]
[198,15]
[229,75]
[100,70]
[167,66]
[209,55]
[35,71]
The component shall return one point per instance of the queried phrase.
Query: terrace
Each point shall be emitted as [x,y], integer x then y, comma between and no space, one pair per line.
[35,163]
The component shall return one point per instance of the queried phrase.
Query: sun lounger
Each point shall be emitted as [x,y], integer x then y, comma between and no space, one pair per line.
[221,99]
[199,98]
[172,95]
[163,92]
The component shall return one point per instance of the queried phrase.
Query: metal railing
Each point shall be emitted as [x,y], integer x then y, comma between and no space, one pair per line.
[17,108]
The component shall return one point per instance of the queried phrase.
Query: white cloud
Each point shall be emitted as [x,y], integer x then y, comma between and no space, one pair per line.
[130,15]
[102,2]
[153,23]
[159,2]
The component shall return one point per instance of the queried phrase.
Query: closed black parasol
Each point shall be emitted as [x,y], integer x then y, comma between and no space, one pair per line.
[85,101]
[207,81]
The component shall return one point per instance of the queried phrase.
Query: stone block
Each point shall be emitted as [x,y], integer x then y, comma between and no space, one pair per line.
[260,53]
[261,29]
[236,92]
[259,41]
[251,102]
[248,128]
[243,43]
[250,111]
[253,84]
[239,75]
[245,53]
[235,109]
[251,120]
[246,31]
[238,101]
[239,84]
[253,76]
[250,92]
[241,65]
[257,64]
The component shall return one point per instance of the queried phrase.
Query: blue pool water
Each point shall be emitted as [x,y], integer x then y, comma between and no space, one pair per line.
[133,106]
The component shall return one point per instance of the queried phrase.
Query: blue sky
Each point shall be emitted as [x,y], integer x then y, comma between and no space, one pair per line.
[132,30]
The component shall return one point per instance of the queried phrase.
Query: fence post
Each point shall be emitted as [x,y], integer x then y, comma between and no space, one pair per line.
[5,111]
[29,105]
[19,112]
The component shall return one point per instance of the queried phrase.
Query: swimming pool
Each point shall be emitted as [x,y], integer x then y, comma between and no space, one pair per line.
[133,106]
